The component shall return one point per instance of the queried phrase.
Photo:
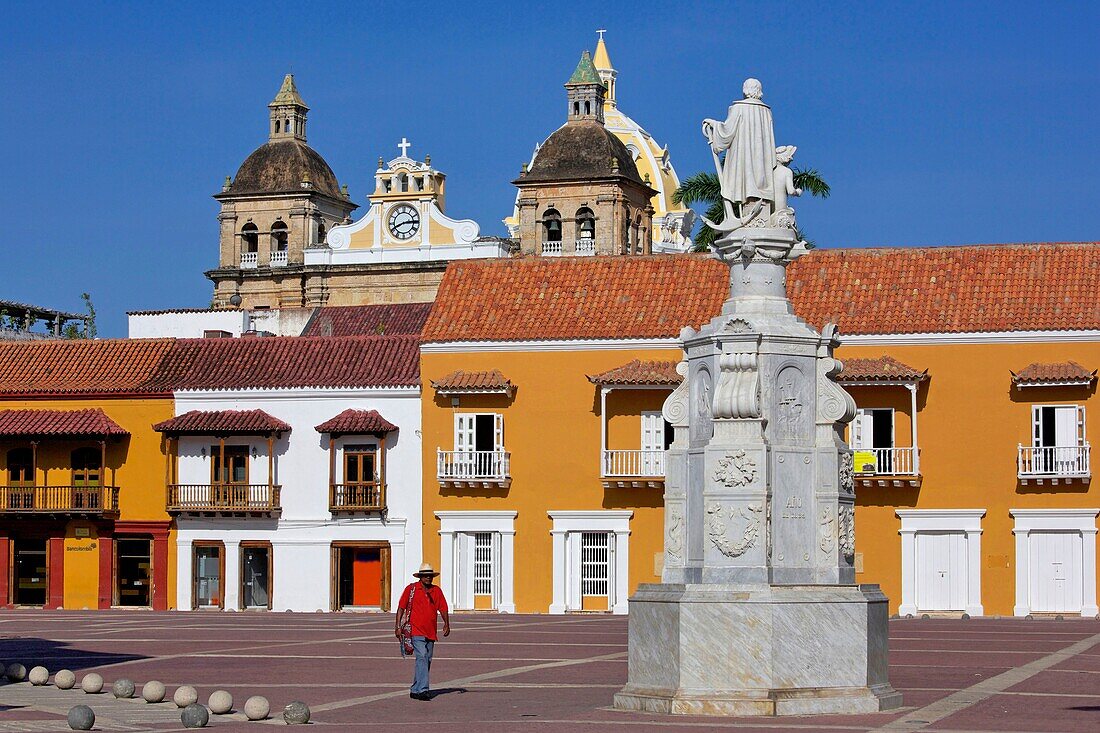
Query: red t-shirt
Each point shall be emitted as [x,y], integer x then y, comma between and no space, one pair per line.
[426,606]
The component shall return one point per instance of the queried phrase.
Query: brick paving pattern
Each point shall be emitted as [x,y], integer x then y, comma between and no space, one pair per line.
[517,673]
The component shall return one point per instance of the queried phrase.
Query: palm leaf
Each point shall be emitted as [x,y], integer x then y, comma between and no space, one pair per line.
[702,188]
[810,181]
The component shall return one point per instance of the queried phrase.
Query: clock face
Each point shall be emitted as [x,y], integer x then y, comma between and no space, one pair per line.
[404,221]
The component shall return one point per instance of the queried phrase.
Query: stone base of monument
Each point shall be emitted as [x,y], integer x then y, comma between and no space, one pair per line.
[769,650]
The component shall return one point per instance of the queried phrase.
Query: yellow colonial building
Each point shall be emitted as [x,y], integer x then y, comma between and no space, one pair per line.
[973,369]
[82,513]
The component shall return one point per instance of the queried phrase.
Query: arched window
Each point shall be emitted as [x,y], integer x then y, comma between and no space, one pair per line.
[20,467]
[576,108]
[635,234]
[280,237]
[321,232]
[586,223]
[87,467]
[552,221]
[250,238]
[588,108]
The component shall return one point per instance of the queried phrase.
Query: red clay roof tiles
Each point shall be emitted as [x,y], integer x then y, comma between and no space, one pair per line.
[369,320]
[1061,372]
[63,366]
[223,422]
[882,369]
[639,372]
[460,382]
[92,422]
[292,362]
[1006,287]
[356,422]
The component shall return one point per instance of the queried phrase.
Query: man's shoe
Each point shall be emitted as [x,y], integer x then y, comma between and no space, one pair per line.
[420,696]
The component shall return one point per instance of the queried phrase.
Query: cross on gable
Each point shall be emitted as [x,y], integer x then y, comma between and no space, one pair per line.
[601,31]
[404,145]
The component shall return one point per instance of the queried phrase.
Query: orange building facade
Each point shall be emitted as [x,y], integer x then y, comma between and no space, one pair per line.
[82,514]
[543,384]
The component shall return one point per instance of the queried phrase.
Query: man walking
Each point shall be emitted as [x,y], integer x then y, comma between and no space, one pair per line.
[419,605]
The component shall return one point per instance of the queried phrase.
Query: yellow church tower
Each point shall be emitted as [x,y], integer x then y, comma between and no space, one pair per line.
[672,223]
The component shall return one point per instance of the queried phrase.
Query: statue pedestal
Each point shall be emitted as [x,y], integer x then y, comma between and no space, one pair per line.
[708,649]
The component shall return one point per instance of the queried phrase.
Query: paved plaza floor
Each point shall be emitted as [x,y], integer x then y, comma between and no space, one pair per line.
[516,673]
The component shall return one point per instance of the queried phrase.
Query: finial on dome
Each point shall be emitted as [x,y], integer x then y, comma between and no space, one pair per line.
[228,184]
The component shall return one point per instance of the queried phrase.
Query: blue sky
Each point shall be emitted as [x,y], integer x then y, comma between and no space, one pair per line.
[935,123]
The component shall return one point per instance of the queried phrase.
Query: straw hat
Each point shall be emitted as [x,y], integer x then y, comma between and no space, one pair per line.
[425,569]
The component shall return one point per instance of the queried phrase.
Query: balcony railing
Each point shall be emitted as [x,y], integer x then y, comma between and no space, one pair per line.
[586,247]
[278,258]
[886,461]
[1053,461]
[361,497]
[205,498]
[629,463]
[249,260]
[58,499]
[472,466]
[551,249]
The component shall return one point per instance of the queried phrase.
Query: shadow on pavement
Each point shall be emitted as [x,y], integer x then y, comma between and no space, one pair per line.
[53,655]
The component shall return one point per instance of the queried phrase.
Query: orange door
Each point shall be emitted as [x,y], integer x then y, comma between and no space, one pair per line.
[366,574]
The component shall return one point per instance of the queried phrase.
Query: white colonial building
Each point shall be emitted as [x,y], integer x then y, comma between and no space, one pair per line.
[294,472]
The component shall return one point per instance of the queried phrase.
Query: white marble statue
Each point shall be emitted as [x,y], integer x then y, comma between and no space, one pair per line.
[746,172]
[783,178]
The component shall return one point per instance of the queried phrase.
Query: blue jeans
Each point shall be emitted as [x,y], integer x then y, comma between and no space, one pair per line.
[423,648]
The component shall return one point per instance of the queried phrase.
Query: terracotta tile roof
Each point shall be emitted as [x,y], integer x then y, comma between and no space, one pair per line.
[65,366]
[1059,373]
[369,320]
[1008,287]
[356,422]
[576,298]
[640,372]
[461,382]
[59,423]
[223,422]
[882,369]
[290,362]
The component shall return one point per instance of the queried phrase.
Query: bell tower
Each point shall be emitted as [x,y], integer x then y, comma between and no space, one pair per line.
[585,92]
[288,113]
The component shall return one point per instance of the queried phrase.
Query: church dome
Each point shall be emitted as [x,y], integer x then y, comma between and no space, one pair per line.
[280,166]
[582,150]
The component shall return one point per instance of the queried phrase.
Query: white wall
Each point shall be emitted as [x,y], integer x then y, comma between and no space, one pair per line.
[192,324]
[302,534]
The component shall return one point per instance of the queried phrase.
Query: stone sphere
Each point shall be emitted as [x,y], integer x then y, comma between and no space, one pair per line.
[38,676]
[81,717]
[296,713]
[257,708]
[194,716]
[65,679]
[92,683]
[220,702]
[184,696]
[123,688]
[16,672]
[153,691]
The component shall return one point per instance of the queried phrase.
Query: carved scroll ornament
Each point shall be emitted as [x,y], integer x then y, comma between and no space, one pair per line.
[718,527]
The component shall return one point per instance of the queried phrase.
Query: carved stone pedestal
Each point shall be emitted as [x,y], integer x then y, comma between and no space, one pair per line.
[772,650]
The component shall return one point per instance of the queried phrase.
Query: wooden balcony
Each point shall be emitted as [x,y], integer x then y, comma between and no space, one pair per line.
[633,469]
[59,500]
[1053,463]
[469,469]
[887,467]
[360,497]
[241,499]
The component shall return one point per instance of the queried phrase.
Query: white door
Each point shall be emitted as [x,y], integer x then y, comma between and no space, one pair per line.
[941,571]
[862,431]
[464,458]
[653,444]
[1055,572]
[463,572]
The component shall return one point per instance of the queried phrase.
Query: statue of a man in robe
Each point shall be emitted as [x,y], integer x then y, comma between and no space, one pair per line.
[746,173]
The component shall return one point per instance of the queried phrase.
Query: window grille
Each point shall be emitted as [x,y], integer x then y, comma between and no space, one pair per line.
[483,563]
[595,569]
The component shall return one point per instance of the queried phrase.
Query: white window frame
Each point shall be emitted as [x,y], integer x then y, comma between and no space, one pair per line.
[858,430]
[456,543]
[1037,425]
[466,430]
[568,527]
[1057,520]
[967,521]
